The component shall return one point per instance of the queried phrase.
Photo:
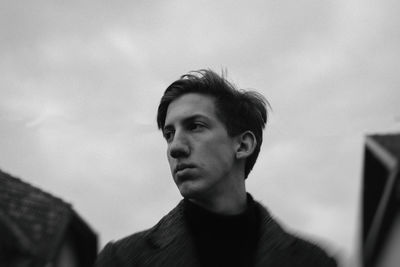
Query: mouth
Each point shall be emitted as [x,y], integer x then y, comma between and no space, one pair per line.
[182,167]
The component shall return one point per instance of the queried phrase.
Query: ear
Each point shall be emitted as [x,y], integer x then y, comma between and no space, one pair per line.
[246,144]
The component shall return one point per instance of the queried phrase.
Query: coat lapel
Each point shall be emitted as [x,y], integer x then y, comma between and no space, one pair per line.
[172,240]
[273,240]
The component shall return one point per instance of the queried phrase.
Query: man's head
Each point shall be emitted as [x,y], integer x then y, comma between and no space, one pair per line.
[238,110]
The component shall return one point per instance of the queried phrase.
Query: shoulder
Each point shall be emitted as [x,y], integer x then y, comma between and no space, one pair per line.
[309,253]
[141,246]
[282,247]
[124,252]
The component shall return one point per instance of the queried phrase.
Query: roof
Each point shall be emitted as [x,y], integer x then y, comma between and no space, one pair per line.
[36,222]
[380,192]
[390,142]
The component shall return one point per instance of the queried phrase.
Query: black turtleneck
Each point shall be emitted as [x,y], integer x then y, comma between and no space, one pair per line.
[223,240]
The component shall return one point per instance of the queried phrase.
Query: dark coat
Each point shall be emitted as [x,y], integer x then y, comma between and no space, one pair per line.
[169,243]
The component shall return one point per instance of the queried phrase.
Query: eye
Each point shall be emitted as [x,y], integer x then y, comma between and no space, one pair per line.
[168,135]
[195,126]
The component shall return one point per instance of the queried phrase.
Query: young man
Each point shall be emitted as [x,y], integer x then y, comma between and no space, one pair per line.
[214,134]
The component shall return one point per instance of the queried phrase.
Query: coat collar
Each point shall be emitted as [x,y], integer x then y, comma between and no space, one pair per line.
[173,227]
[171,235]
[274,240]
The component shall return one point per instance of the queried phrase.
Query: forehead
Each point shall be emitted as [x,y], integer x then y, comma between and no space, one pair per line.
[191,104]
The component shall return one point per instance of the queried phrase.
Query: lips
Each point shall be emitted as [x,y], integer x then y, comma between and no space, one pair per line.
[183,166]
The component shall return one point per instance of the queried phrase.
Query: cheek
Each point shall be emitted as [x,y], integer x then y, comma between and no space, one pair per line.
[170,160]
[220,156]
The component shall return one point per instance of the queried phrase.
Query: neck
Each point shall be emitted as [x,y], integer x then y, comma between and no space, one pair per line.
[232,203]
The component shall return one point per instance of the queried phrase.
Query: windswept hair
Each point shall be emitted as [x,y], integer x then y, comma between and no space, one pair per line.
[239,110]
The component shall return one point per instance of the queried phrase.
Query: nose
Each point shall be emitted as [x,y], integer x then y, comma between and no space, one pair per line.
[179,147]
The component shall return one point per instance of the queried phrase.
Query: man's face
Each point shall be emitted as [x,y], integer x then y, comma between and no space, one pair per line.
[200,152]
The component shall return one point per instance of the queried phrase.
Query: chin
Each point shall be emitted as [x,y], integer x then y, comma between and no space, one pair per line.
[189,190]
[186,192]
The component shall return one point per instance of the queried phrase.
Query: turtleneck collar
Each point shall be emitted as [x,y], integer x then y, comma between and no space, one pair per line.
[223,240]
[202,220]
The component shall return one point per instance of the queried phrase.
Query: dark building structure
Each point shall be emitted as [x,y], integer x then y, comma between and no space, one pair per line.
[39,229]
[381,201]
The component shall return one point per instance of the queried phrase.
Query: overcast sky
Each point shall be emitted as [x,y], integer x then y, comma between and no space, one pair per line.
[81,80]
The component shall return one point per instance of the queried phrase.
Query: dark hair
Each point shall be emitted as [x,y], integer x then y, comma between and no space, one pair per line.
[239,110]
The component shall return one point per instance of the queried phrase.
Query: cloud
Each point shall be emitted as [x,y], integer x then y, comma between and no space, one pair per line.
[81,83]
